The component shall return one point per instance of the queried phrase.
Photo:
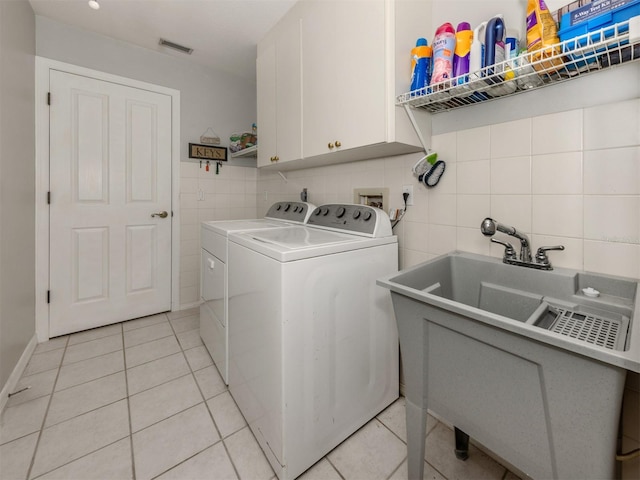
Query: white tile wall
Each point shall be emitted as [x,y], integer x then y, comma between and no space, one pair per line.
[570,178]
[613,171]
[557,132]
[557,174]
[474,177]
[206,196]
[511,175]
[474,144]
[511,139]
[612,125]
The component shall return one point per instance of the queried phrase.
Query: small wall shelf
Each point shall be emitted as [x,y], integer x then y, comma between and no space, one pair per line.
[567,60]
[246,152]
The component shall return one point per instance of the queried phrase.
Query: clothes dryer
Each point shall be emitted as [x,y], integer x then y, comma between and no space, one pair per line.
[214,269]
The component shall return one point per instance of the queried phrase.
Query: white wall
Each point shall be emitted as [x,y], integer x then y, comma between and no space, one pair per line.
[209,98]
[17,182]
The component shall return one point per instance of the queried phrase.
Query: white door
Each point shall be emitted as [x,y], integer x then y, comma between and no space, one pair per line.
[110,172]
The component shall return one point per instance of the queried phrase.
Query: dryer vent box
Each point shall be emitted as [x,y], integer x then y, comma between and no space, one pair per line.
[374,197]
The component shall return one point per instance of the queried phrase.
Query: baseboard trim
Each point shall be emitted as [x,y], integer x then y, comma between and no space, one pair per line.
[187,306]
[13,379]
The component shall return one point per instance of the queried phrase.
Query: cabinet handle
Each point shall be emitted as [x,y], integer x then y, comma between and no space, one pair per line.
[275,159]
[338,144]
[330,145]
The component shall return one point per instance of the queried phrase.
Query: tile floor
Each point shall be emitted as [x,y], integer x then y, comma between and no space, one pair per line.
[142,400]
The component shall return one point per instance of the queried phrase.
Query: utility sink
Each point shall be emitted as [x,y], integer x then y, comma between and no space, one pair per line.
[515,298]
[523,360]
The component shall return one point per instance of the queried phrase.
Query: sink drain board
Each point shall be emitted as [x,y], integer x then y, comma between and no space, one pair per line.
[603,332]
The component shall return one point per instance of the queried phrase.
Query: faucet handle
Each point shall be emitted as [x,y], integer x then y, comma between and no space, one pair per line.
[509,251]
[541,254]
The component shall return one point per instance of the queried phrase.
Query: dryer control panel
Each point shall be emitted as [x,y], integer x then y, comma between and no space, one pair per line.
[298,212]
[352,218]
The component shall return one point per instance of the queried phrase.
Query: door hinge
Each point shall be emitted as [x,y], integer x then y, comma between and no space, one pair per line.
[48,98]
[48,198]
[48,296]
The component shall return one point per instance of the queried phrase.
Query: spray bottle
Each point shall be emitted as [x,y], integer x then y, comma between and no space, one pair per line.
[476,56]
[461,54]
[444,43]
[420,66]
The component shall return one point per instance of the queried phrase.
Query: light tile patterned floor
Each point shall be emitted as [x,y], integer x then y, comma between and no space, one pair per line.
[142,400]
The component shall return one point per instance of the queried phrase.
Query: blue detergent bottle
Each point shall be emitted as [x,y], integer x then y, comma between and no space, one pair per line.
[494,51]
[420,67]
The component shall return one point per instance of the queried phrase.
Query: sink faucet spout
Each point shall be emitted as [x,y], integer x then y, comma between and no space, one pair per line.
[489,227]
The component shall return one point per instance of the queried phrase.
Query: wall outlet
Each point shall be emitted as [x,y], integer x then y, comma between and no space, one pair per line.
[408,189]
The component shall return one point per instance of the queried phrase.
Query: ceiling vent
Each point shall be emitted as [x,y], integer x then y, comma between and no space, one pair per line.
[175,46]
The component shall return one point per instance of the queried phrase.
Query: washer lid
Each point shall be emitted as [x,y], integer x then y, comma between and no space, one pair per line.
[224,227]
[298,242]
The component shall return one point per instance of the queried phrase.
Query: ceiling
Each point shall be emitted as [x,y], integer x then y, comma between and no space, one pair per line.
[222,33]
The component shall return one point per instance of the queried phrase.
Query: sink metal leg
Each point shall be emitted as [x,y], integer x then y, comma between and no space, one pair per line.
[462,444]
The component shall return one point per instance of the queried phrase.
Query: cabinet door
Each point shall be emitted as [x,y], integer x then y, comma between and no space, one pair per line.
[279,95]
[289,92]
[266,103]
[343,71]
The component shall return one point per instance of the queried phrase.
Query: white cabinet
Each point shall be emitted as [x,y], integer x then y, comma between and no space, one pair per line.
[279,94]
[343,74]
[352,63]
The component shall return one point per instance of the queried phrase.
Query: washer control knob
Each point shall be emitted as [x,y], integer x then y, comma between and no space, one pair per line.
[356,214]
[340,212]
[295,209]
[367,216]
[318,211]
[279,207]
[325,211]
[287,208]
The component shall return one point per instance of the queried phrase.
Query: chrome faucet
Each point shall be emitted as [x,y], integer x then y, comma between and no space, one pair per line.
[489,226]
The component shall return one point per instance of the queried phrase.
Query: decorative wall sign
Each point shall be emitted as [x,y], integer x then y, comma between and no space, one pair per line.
[207,152]
[210,137]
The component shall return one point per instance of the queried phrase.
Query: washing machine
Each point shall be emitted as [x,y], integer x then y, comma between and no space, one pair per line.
[313,345]
[214,269]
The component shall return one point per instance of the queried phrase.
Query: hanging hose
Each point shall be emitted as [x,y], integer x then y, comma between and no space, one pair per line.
[405,196]
[623,457]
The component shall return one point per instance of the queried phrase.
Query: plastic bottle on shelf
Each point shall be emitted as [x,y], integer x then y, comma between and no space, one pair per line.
[476,55]
[420,66]
[444,44]
[511,44]
[542,37]
[502,75]
[462,52]
[494,44]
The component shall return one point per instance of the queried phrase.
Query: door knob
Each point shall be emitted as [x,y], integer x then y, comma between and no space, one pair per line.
[160,214]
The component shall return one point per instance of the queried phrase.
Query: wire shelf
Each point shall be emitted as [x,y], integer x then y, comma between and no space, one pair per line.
[564,61]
